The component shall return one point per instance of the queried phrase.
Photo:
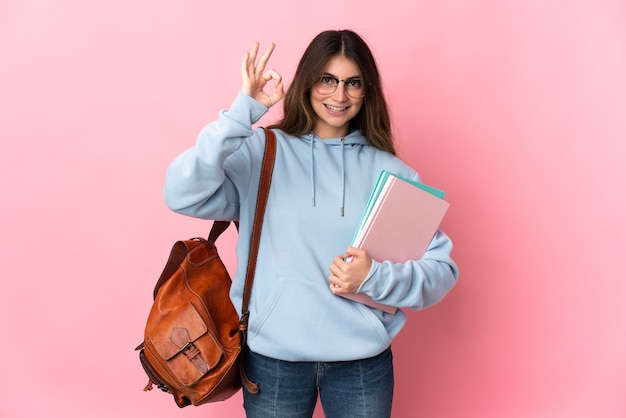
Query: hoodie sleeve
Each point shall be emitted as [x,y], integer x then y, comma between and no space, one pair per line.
[198,182]
[417,284]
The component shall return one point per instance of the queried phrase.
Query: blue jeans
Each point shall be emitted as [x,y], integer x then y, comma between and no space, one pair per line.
[347,389]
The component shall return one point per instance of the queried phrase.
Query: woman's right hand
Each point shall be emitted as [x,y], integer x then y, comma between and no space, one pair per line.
[255,77]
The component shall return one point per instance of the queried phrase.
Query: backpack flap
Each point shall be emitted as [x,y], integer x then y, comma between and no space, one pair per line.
[186,345]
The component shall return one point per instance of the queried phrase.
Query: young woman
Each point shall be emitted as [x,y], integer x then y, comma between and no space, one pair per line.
[304,339]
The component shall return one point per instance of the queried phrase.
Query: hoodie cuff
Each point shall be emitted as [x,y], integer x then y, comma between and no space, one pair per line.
[245,108]
[369,285]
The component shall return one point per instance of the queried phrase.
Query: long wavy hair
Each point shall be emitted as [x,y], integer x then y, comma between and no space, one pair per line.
[373,118]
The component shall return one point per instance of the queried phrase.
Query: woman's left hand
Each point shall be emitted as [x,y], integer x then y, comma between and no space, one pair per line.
[347,276]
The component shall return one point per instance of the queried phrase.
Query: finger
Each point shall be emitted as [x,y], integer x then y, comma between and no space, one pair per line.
[253,52]
[244,64]
[334,282]
[249,58]
[272,75]
[277,79]
[355,252]
[279,90]
[341,263]
[278,94]
[335,271]
[337,290]
[265,58]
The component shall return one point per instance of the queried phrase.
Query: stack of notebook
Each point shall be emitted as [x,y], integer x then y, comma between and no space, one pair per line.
[398,224]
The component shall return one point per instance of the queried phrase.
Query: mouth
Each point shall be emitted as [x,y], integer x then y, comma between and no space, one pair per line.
[335,109]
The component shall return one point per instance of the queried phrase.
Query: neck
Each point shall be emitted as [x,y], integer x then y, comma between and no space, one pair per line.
[330,133]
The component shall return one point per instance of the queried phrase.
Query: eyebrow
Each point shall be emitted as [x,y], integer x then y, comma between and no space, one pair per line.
[334,76]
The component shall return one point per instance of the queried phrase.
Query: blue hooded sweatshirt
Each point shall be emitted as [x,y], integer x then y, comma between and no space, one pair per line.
[318,193]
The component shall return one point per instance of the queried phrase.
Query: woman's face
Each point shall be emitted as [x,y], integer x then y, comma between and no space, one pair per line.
[335,109]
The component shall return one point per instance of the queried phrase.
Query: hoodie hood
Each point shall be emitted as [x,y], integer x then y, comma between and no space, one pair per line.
[354,138]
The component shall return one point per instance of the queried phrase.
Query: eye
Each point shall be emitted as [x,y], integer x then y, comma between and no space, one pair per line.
[354,83]
[328,80]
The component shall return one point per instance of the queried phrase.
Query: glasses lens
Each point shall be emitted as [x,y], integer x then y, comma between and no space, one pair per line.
[328,85]
[354,88]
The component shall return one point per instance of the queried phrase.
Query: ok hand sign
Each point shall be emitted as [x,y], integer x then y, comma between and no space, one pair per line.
[254,77]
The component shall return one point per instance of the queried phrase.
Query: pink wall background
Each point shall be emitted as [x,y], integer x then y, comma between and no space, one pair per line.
[516,108]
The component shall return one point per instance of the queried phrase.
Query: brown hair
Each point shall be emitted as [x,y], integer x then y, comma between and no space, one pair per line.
[373,118]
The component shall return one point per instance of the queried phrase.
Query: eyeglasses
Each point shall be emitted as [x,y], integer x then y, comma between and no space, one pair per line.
[327,84]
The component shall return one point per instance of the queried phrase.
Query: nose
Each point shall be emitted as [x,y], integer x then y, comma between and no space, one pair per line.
[341,92]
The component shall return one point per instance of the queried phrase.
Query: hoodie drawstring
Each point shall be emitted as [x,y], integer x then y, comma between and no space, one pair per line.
[343,179]
[343,174]
[312,169]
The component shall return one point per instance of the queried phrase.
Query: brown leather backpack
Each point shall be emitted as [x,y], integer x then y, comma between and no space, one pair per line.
[193,339]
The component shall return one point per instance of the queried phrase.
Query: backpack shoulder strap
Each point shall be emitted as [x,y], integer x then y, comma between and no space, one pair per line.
[219,227]
[261,202]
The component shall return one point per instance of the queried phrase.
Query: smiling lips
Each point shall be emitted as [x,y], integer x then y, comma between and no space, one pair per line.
[335,109]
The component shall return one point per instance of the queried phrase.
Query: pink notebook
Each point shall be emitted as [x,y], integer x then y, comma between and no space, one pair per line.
[398,225]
